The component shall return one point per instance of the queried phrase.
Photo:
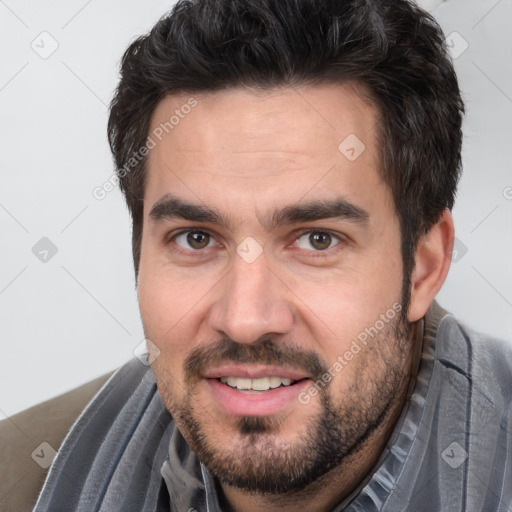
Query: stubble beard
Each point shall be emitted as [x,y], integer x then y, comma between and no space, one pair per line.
[255,459]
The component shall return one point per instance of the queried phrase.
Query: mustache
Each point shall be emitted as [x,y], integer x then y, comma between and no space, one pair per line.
[265,351]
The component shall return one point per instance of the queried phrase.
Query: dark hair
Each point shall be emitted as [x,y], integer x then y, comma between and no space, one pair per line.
[392,47]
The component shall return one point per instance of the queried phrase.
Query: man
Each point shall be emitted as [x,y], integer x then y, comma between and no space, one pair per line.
[290,167]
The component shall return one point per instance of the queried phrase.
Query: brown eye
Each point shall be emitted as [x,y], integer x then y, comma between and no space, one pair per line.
[317,240]
[194,240]
[320,240]
[198,240]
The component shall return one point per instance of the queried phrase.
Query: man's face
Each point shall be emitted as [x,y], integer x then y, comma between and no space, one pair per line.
[298,277]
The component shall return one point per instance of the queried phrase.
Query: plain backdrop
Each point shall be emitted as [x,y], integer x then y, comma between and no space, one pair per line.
[68,309]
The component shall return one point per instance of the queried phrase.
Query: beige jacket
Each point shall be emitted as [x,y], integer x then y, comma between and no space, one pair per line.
[23,460]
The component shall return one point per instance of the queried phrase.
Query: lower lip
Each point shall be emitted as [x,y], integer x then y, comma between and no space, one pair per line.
[263,403]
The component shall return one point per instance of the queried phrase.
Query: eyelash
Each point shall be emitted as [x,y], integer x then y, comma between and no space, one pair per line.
[202,253]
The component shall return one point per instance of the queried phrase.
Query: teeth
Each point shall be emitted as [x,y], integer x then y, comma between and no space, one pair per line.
[243,383]
[275,382]
[261,384]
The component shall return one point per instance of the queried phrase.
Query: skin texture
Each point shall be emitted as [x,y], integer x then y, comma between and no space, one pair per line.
[299,305]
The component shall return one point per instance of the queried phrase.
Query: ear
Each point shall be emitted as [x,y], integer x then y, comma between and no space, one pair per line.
[433,259]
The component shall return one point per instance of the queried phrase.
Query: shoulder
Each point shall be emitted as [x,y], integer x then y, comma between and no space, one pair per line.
[481,357]
[491,371]
[29,440]
[479,368]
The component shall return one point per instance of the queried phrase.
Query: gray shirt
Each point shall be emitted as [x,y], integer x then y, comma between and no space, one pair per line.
[451,449]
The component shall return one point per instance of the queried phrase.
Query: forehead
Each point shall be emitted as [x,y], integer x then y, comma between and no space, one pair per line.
[243,149]
[249,116]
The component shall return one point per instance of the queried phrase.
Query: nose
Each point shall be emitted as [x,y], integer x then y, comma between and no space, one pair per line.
[252,301]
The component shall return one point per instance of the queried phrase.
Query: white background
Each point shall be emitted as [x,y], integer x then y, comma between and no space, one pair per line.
[75,317]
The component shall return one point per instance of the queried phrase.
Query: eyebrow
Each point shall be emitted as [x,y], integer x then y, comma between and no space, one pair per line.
[169,207]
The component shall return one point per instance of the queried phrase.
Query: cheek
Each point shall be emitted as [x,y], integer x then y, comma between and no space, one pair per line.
[167,300]
[351,298]
[164,317]
[171,297]
[339,307]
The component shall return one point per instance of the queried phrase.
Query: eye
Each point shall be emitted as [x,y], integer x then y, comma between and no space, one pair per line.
[195,240]
[317,240]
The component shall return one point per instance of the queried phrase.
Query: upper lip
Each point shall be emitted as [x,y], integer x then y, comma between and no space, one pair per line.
[253,371]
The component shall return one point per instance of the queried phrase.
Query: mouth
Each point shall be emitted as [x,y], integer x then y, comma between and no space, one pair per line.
[255,390]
